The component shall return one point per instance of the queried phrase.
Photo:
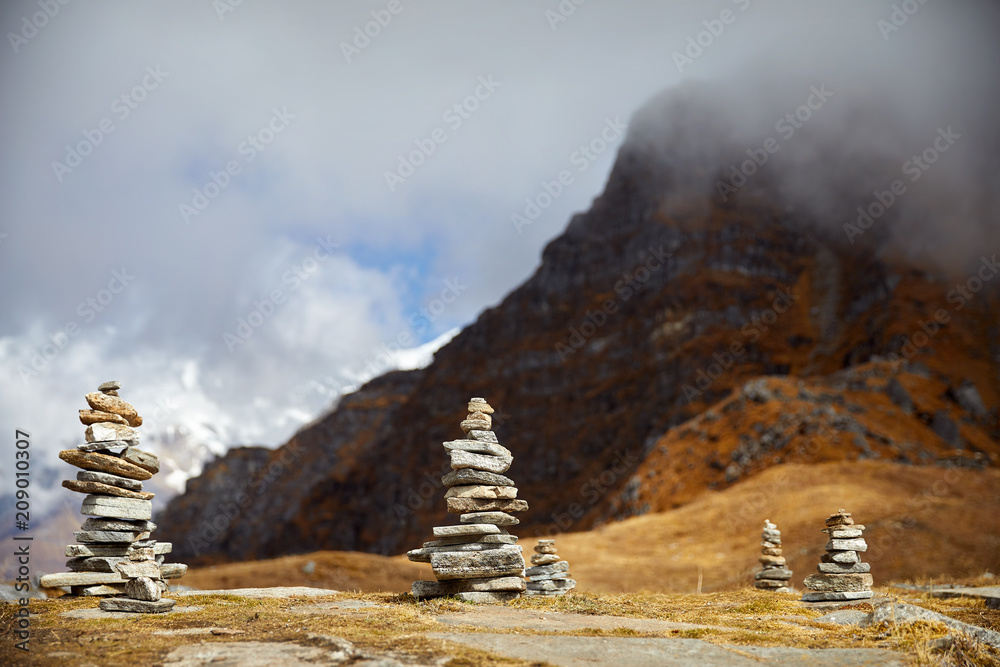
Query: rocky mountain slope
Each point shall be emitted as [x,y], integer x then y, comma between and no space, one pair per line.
[614,368]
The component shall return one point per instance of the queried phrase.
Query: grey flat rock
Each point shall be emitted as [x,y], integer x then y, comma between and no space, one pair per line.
[471,539]
[138,606]
[433,589]
[657,652]
[103,446]
[473,477]
[466,505]
[94,523]
[466,529]
[844,617]
[117,508]
[423,555]
[899,612]
[489,463]
[545,570]
[495,518]
[482,492]
[95,612]
[108,478]
[263,654]
[825,596]
[490,447]
[483,436]
[843,568]
[858,544]
[108,536]
[477,564]
[108,550]
[144,460]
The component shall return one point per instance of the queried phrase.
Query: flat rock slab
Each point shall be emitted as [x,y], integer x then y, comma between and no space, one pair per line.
[117,508]
[490,447]
[557,621]
[91,550]
[142,459]
[642,652]
[898,612]
[261,593]
[104,463]
[477,564]
[989,593]
[138,606]
[106,478]
[472,477]
[483,492]
[465,505]
[105,431]
[99,487]
[105,403]
[259,654]
[495,464]
[466,529]
[844,617]
[95,612]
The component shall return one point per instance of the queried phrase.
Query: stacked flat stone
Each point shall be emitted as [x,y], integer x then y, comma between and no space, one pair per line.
[774,576]
[115,555]
[477,561]
[548,575]
[842,575]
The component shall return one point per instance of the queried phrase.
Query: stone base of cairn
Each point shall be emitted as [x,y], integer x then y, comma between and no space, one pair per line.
[477,561]
[115,555]
[842,575]
[774,576]
[548,575]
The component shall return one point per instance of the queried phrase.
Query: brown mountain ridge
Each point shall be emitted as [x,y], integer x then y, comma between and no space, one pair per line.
[667,345]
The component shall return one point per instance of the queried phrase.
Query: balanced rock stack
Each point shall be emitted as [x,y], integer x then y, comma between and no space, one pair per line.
[774,576]
[477,561]
[115,555]
[548,575]
[842,575]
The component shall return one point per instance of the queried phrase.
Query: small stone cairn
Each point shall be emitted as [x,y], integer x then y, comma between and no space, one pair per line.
[842,575]
[477,561]
[774,576]
[548,575]
[115,555]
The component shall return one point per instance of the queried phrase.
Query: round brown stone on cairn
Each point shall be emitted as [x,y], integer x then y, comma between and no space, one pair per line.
[842,575]
[774,576]
[548,575]
[477,561]
[115,555]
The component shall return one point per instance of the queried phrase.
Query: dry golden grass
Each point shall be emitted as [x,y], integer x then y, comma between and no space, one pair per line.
[920,522]
[397,624]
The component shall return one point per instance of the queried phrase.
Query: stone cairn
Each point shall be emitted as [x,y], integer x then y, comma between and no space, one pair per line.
[477,561]
[548,575]
[774,576]
[842,575]
[115,555]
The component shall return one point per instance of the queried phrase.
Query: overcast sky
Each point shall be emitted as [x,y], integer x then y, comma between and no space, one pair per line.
[172,169]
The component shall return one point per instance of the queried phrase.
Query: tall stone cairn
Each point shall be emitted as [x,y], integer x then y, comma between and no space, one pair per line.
[842,575]
[477,561]
[115,554]
[774,576]
[548,574]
